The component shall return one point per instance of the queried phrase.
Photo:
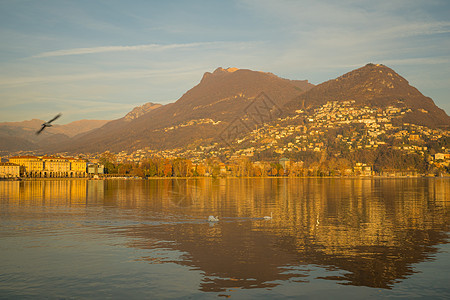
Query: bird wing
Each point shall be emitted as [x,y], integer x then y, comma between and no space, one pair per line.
[40,130]
[56,117]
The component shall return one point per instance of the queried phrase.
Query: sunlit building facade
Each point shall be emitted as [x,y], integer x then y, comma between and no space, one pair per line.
[95,169]
[32,165]
[50,166]
[77,167]
[9,170]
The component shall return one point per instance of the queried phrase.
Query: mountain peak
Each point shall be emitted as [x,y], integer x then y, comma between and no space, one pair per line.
[377,85]
[140,110]
[219,72]
[227,70]
[374,80]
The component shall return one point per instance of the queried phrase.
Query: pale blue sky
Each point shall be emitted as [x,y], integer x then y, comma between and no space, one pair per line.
[99,59]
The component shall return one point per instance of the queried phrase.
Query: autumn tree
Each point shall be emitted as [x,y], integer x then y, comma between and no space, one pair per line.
[167,168]
[200,170]
[149,167]
[109,160]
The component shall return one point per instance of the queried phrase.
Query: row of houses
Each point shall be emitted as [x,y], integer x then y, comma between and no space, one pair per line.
[47,167]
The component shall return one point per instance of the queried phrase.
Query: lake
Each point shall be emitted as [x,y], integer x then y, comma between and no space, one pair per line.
[139,239]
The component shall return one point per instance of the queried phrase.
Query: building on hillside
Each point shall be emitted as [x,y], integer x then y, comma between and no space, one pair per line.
[9,170]
[442,156]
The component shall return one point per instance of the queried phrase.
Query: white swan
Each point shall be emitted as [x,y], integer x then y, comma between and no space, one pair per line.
[267,217]
[213,219]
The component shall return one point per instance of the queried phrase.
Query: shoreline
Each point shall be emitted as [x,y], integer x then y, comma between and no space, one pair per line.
[227,177]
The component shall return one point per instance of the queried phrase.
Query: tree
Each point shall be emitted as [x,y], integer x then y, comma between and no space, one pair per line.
[109,160]
[201,169]
[125,168]
[149,167]
[137,171]
[167,168]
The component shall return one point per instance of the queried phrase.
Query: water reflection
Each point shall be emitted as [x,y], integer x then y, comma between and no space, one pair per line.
[363,232]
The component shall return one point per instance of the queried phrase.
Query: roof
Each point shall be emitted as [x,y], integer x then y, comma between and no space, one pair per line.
[48,157]
[8,164]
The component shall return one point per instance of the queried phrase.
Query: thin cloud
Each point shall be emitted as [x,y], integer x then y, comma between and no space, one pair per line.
[15,81]
[149,47]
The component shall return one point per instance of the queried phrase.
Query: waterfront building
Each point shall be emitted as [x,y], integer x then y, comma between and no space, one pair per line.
[77,167]
[9,170]
[32,165]
[50,166]
[55,166]
[95,169]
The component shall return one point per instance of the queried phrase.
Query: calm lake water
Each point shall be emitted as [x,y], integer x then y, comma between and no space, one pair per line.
[142,239]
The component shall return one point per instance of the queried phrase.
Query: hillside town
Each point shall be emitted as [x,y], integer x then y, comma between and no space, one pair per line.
[337,132]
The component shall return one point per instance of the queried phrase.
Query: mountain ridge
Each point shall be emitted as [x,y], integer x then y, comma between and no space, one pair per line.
[221,99]
[219,96]
[375,84]
[22,135]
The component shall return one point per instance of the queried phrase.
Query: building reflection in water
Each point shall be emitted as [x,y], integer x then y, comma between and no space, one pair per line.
[44,192]
[365,232]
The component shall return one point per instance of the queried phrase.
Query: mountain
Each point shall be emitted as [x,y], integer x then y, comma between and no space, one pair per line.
[197,117]
[227,102]
[16,136]
[76,127]
[13,143]
[116,125]
[140,110]
[379,86]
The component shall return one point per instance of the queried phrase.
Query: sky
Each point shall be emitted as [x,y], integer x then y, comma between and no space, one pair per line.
[97,59]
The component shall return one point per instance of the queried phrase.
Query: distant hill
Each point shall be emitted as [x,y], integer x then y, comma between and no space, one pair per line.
[22,135]
[114,125]
[375,85]
[77,127]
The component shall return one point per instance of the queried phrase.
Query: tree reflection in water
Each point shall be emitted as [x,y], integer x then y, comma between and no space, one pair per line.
[364,232]
[371,231]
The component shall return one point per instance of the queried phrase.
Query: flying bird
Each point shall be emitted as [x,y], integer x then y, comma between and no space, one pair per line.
[48,123]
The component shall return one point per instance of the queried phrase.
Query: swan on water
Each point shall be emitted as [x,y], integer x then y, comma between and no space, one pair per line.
[267,217]
[213,219]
